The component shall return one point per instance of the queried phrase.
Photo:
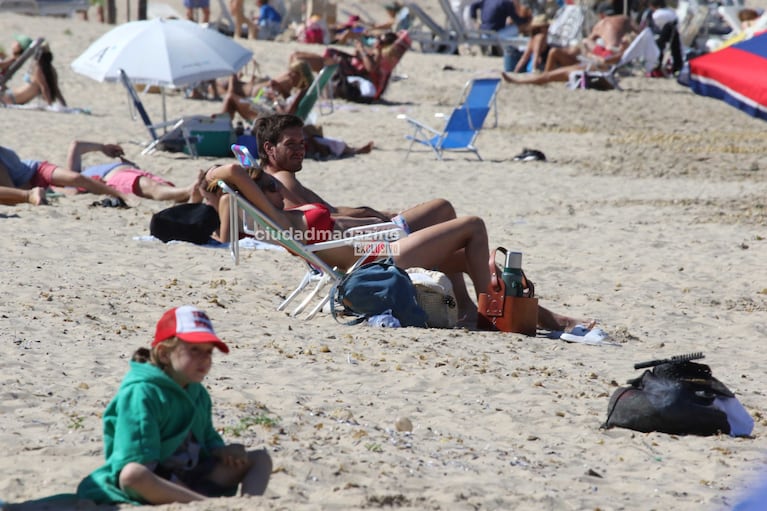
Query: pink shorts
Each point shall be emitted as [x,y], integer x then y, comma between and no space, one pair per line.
[44,175]
[126,181]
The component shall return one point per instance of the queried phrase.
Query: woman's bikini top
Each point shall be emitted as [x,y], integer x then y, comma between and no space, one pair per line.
[319,223]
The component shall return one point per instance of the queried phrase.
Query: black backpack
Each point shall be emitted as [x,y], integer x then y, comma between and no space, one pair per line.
[185,222]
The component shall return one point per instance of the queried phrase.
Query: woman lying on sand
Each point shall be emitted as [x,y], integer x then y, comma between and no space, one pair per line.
[459,245]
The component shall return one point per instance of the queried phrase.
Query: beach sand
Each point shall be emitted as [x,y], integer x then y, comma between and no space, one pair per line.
[649,215]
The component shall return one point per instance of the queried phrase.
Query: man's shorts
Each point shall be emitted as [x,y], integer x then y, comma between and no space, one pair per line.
[126,181]
[44,175]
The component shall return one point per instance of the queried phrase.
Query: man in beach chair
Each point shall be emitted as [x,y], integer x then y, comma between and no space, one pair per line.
[460,244]
[281,151]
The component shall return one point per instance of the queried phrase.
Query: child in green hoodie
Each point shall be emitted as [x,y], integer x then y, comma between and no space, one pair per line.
[159,440]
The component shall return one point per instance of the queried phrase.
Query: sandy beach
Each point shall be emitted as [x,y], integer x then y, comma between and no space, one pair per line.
[648,215]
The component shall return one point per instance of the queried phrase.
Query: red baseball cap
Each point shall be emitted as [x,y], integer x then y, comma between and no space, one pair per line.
[189,324]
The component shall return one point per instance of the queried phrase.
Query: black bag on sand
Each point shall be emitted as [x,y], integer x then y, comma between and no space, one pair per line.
[185,222]
[675,397]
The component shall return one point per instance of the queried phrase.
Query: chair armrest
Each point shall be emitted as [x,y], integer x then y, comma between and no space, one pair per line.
[418,125]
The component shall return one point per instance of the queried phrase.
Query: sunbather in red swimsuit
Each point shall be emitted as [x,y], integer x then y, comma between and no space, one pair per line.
[319,223]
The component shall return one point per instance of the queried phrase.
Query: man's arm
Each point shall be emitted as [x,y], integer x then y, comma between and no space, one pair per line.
[296,194]
[363,212]
[78,148]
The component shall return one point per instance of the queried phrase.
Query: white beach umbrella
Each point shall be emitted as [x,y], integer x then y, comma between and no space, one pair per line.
[167,53]
[162,52]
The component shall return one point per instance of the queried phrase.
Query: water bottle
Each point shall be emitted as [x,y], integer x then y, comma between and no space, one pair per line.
[239,130]
[512,274]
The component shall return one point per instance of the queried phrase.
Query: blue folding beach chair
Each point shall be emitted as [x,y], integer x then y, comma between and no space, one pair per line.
[482,93]
[464,123]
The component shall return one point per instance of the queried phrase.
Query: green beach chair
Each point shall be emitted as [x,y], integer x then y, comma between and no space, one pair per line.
[320,83]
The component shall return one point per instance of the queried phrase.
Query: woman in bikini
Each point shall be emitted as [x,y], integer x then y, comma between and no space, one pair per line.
[372,64]
[42,80]
[459,245]
[284,93]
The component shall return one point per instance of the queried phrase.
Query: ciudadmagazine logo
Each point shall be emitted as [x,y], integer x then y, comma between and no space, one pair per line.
[363,241]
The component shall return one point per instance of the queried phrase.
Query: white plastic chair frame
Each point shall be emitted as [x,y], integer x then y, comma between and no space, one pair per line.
[318,271]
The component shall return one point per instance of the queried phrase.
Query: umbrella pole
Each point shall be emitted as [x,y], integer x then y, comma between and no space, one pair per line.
[164,114]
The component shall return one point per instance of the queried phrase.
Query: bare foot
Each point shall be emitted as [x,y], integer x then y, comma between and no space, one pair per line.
[364,149]
[507,78]
[571,323]
[554,322]
[36,196]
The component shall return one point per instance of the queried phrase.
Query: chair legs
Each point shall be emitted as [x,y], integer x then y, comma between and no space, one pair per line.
[309,277]
[322,280]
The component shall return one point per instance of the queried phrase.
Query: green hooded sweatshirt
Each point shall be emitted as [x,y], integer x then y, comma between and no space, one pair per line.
[148,419]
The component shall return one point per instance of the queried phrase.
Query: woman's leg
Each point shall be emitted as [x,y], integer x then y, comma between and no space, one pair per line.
[234,104]
[431,213]
[559,57]
[21,95]
[549,320]
[428,213]
[458,245]
[351,151]
[561,74]
[238,13]
[315,60]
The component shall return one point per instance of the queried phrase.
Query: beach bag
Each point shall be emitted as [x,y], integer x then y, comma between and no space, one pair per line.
[496,311]
[434,294]
[375,288]
[678,397]
[185,222]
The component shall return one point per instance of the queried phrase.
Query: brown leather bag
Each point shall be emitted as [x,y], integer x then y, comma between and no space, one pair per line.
[507,313]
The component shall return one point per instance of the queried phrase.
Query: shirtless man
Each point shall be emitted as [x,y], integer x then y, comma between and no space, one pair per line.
[605,39]
[281,152]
